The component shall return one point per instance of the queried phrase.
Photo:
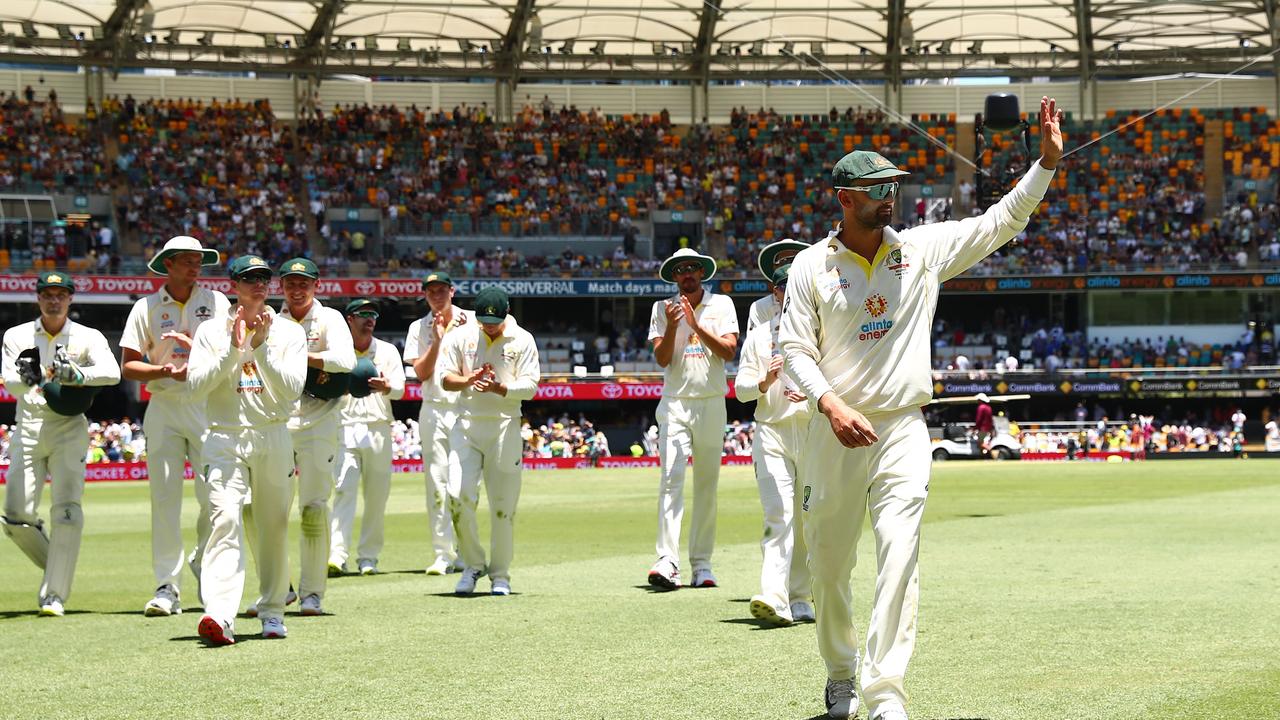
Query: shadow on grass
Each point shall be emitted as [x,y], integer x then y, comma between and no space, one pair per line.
[759,624]
[11,614]
[824,716]
[200,642]
[472,596]
[652,590]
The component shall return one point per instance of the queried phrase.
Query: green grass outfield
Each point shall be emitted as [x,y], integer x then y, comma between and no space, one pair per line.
[1048,591]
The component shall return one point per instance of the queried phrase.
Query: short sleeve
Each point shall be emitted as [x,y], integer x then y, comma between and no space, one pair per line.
[135,336]
[658,320]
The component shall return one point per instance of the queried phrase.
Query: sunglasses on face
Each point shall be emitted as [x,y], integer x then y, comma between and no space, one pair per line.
[875,192]
[256,279]
[367,314]
[687,268]
[781,285]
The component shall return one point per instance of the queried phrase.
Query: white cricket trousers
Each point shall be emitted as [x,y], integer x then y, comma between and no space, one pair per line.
[55,447]
[175,429]
[365,467]
[775,450]
[436,423]
[315,449]
[689,426]
[240,462]
[489,448]
[891,479]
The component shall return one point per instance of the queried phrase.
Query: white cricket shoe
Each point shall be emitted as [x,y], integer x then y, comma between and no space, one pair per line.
[895,713]
[274,629]
[841,698]
[665,574]
[164,604]
[703,578]
[501,587]
[467,583]
[289,599]
[439,567]
[367,567]
[51,606]
[762,609]
[214,632]
[802,611]
[336,569]
[311,605]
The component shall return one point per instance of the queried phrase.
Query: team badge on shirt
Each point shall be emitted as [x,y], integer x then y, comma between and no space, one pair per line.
[896,261]
[204,312]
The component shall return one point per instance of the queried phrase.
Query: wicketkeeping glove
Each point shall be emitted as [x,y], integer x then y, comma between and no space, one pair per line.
[64,370]
[28,363]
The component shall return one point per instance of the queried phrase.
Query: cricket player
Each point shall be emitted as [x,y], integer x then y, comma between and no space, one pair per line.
[1273,436]
[46,362]
[365,463]
[771,257]
[494,365]
[782,421]
[438,415]
[855,336]
[693,335]
[314,424]
[154,349]
[250,368]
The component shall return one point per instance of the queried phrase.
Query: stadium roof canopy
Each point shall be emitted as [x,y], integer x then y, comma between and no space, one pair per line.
[683,40]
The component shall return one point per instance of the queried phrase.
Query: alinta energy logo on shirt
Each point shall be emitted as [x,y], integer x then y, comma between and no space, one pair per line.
[695,348]
[249,380]
[875,306]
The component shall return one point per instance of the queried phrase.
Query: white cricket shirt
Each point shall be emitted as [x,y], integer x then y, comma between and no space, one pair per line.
[695,371]
[862,330]
[375,408]
[514,357]
[761,312]
[757,351]
[327,333]
[85,346]
[247,388]
[158,313]
[420,339]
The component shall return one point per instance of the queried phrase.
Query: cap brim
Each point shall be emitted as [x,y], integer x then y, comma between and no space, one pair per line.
[766,262]
[208,257]
[708,267]
[362,306]
[886,173]
[490,319]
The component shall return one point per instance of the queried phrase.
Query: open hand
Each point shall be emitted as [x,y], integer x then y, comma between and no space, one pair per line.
[183,340]
[1050,133]
[675,311]
[261,325]
[689,317]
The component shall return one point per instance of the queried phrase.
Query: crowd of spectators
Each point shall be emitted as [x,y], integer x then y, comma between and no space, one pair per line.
[43,151]
[110,441]
[230,173]
[1143,434]
[218,171]
[999,348]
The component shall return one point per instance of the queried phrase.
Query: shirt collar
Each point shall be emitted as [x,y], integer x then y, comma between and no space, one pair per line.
[888,239]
